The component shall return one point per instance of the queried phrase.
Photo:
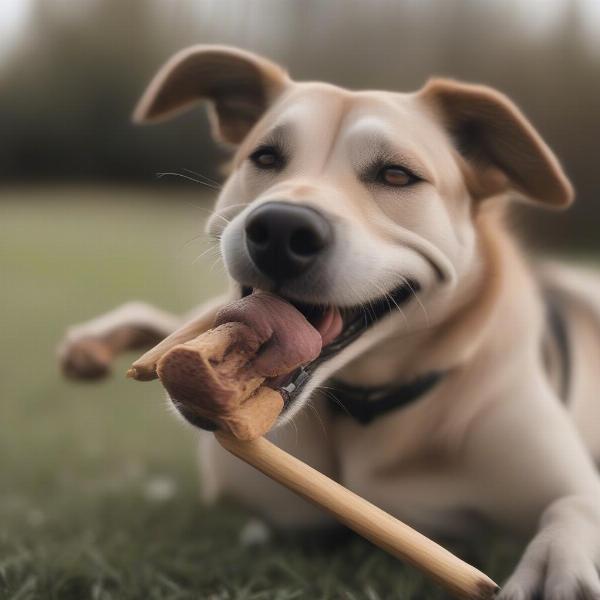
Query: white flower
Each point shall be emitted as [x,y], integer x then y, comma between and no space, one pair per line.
[160,489]
[254,533]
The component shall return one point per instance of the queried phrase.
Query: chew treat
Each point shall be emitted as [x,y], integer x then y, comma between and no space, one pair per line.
[226,378]
[144,368]
[223,376]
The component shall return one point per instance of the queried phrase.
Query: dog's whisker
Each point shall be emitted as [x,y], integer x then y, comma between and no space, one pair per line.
[208,211]
[318,416]
[398,307]
[204,177]
[367,307]
[326,387]
[391,298]
[217,261]
[365,315]
[333,398]
[213,249]
[236,205]
[183,176]
[232,210]
[372,309]
[417,299]
[196,238]
[360,306]
[292,422]
[223,217]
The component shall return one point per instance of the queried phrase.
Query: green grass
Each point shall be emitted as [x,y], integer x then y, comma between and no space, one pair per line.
[80,465]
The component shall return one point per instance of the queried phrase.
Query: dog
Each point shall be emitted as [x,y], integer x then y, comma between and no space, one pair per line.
[468,389]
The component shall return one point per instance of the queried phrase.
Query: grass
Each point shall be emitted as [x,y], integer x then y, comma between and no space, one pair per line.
[98,484]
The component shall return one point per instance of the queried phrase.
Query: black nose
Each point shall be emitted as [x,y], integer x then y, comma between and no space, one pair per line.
[285,239]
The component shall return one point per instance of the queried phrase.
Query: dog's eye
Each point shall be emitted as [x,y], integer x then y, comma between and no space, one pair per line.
[267,157]
[396,176]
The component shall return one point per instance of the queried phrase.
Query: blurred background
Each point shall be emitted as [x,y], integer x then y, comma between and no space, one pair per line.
[98,490]
[71,73]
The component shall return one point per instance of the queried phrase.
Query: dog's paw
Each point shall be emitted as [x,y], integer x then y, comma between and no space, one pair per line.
[562,561]
[84,357]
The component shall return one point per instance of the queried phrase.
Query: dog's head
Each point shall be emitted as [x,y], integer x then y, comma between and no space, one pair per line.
[362,201]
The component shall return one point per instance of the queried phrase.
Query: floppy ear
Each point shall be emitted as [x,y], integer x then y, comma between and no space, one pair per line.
[501,148]
[238,85]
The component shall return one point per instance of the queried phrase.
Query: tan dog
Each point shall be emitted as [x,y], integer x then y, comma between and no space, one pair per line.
[389,206]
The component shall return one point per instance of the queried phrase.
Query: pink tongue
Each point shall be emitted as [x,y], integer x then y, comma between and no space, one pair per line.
[330,325]
[288,339]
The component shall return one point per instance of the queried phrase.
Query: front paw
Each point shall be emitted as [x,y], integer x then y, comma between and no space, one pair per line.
[84,357]
[562,561]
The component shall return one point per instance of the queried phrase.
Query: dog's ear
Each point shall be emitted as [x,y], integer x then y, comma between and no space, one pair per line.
[501,149]
[239,86]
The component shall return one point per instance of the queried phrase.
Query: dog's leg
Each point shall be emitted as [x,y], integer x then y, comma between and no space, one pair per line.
[528,465]
[88,349]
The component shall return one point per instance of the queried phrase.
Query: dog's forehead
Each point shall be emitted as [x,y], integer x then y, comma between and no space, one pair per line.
[397,107]
[320,111]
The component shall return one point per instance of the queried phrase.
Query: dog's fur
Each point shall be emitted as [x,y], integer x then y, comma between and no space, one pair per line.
[493,439]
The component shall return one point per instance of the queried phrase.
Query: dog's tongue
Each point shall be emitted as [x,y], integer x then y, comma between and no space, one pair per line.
[288,339]
[329,325]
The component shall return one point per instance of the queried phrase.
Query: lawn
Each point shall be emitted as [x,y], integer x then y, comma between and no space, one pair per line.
[98,484]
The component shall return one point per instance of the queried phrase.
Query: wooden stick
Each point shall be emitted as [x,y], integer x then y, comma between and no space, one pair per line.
[457,577]
[211,377]
[144,368]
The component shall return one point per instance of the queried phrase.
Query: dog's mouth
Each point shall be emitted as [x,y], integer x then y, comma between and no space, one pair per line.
[338,328]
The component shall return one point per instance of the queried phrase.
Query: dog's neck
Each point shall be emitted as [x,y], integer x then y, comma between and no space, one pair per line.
[466,328]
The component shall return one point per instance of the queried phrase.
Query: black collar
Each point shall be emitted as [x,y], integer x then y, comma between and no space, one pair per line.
[365,404]
[559,329]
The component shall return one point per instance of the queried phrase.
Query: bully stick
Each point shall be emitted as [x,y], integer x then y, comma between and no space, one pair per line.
[382,529]
[225,377]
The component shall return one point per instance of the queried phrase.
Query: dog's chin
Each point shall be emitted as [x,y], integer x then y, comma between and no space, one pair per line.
[350,323]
